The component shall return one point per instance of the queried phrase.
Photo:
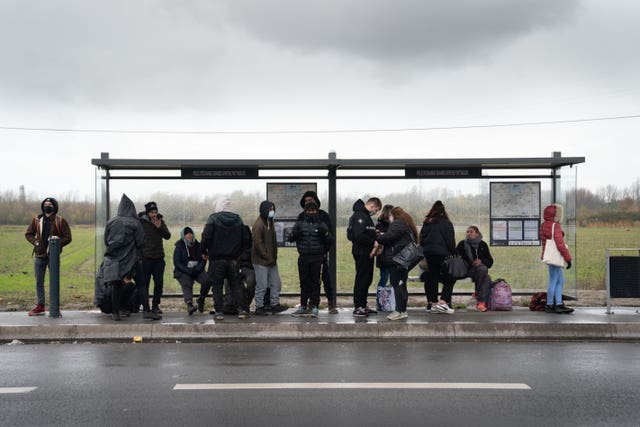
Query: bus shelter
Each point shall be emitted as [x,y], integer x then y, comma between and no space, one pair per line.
[514,186]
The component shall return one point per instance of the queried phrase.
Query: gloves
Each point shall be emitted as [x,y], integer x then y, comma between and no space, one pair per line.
[568,265]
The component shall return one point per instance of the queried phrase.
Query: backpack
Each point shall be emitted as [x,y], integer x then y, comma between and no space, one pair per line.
[500,296]
[385,298]
[350,229]
[538,301]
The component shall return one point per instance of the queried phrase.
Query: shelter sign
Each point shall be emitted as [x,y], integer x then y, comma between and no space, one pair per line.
[515,213]
[286,197]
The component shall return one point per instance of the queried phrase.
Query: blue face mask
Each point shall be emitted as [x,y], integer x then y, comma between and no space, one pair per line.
[271,214]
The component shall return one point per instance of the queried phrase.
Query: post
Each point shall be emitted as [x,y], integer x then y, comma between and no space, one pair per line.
[54,277]
[333,214]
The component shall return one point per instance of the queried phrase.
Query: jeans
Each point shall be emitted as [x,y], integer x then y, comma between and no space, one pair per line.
[40,270]
[222,269]
[309,272]
[433,276]
[556,284]
[364,276]
[267,277]
[399,277]
[153,268]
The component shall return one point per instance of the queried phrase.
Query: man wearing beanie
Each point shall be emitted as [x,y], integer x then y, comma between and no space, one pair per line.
[189,266]
[153,263]
[40,230]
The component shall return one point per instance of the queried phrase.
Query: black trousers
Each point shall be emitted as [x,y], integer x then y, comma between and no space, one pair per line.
[309,272]
[154,268]
[398,277]
[327,280]
[435,275]
[364,277]
[219,270]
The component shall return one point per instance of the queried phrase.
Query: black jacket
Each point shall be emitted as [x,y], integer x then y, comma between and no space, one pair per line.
[312,237]
[438,238]
[184,253]
[482,252]
[363,231]
[322,215]
[224,236]
[396,237]
[153,247]
[385,259]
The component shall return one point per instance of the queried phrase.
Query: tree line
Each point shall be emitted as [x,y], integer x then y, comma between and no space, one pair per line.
[608,205]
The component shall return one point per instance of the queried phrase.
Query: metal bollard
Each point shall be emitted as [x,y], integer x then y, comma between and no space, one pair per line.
[54,277]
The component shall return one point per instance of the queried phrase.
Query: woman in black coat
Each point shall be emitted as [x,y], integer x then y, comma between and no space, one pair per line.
[437,238]
[476,253]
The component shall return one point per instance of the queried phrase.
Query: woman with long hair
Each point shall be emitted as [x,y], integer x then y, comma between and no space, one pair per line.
[383,253]
[402,231]
[437,238]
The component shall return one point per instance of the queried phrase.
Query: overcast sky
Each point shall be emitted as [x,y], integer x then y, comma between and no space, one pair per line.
[315,65]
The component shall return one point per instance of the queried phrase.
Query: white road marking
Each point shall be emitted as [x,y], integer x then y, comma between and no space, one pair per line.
[14,390]
[401,386]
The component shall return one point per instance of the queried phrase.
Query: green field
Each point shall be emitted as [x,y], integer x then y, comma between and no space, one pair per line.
[520,266]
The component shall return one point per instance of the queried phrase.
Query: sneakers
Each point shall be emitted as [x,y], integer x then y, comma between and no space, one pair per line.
[218,316]
[370,311]
[549,308]
[443,307]
[38,311]
[563,309]
[191,309]
[243,314]
[360,312]
[261,311]
[429,308]
[314,312]
[481,307]
[333,308]
[275,309]
[200,304]
[155,309]
[150,315]
[397,315]
[300,311]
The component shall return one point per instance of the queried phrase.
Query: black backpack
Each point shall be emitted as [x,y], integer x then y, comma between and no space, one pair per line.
[350,229]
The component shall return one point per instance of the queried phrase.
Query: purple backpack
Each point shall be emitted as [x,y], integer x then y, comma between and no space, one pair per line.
[500,296]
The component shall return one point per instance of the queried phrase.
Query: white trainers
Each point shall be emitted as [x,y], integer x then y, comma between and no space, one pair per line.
[403,315]
[395,315]
[443,308]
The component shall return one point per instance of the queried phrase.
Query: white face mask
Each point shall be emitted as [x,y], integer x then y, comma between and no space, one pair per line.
[272,214]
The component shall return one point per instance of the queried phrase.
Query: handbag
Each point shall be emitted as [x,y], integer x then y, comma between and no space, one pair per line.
[551,254]
[410,255]
[386,298]
[455,267]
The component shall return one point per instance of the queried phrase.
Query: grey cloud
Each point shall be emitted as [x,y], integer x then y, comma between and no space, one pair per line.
[402,30]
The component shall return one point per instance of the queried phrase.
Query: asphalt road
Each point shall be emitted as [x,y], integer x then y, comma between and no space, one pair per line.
[321,383]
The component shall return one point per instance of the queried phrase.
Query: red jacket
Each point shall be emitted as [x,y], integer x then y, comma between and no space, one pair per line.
[553,214]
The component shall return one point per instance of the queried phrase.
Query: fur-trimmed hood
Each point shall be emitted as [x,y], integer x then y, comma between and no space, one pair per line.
[554,212]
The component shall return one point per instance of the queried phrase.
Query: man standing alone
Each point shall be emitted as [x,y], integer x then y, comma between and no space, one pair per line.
[362,233]
[153,255]
[41,229]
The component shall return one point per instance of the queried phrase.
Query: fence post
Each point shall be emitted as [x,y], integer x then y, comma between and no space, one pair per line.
[54,277]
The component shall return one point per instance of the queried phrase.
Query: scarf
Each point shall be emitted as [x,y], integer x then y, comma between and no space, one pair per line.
[472,243]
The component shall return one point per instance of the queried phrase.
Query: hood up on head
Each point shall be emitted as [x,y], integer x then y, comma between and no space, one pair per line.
[126,207]
[222,204]
[309,194]
[184,232]
[53,201]
[554,212]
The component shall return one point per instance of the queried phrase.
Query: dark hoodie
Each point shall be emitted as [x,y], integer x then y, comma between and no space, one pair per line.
[363,231]
[322,215]
[185,252]
[43,226]
[265,245]
[224,236]
[123,238]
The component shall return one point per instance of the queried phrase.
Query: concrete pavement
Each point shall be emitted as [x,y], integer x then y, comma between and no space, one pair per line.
[591,324]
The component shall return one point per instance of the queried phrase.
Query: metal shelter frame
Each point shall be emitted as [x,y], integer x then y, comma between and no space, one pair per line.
[414,168]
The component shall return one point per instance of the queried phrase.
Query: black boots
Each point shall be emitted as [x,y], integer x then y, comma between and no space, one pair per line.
[190,308]
[558,309]
[201,304]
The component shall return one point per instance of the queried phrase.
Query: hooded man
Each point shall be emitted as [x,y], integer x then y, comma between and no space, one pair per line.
[40,230]
[223,239]
[123,239]
[153,262]
[189,266]
[327,280]
[264,257]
